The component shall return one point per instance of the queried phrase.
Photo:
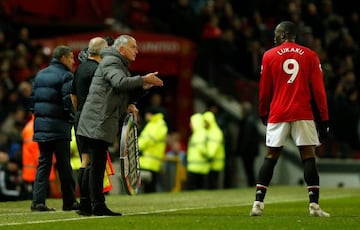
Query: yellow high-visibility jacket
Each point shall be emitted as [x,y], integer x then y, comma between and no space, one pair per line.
[75,159]
[197,155]
[152,143]
[215,142]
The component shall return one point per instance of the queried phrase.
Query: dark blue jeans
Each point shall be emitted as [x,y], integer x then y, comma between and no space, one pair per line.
[61,149]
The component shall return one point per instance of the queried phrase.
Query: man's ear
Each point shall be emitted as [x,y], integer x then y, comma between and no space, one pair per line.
[121,50]
[62,58]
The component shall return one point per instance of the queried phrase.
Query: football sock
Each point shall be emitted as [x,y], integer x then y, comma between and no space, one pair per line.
[265,176]
[260,192]
[311,177]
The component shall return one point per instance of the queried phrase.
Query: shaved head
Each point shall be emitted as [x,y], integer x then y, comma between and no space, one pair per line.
[96,45]
[285,31]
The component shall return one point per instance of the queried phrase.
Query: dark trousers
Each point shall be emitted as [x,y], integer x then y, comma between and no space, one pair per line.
[151,186]
[61,149]
[213,179]
[98,150]
[248,162]
[196,181]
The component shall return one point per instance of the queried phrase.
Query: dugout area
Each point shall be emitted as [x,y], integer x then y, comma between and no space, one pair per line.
[171,56]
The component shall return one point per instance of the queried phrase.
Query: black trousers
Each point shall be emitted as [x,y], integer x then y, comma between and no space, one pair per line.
[98,152]
[61,149]
[153,184]
[196,181]
[249,162]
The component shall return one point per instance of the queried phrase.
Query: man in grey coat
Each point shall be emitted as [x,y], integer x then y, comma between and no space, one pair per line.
[113,93]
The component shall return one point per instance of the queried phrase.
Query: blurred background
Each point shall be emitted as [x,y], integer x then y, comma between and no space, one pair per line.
[208,52]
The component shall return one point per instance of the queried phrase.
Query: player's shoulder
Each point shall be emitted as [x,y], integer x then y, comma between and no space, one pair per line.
[270,52]
[303,49]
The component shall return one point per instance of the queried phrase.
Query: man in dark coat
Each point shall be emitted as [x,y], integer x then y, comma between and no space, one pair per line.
[52,109]
[113,93]
[80,89]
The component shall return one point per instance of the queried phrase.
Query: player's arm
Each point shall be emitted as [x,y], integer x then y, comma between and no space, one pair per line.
[265,89]
[318,91]
[319,101]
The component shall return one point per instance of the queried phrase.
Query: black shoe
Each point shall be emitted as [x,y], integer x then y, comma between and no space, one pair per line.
[102,210]
[41,208]
[83,213]
[84,208]
[74,206]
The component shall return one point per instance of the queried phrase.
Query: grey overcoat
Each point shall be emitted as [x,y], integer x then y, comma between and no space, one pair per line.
[110,92]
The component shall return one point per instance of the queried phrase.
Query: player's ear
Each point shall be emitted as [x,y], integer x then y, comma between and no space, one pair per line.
[283,35]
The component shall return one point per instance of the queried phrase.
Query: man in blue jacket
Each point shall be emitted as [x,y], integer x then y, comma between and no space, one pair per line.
[52,106]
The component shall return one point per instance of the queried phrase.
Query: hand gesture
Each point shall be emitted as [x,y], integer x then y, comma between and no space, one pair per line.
[151,80]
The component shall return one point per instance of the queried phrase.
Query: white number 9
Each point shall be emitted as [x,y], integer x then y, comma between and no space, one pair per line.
[293,71]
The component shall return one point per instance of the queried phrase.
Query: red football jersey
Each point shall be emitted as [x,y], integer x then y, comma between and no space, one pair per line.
[291,77]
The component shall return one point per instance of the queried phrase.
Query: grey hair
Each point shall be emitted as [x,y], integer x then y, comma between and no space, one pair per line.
[60,51]
[96,45]
[122,40]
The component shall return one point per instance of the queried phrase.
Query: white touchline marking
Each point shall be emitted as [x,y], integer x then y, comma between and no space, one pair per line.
[142,212]
[50,221]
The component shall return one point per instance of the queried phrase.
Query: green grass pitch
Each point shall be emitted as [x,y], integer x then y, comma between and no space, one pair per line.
[286,207]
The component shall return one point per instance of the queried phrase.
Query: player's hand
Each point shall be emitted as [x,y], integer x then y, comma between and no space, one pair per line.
[151,80]
[264,120]
[323,130]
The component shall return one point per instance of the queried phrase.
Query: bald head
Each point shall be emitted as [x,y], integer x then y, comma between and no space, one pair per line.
[285,31]
[96,45]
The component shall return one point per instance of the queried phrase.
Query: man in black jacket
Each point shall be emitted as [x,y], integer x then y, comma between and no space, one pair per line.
[80,89]
[52,109]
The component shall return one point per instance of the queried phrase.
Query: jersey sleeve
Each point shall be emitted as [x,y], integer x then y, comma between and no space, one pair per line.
[265,86]
[318,90]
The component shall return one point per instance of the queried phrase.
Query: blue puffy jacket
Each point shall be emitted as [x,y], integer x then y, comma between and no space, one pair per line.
[51,103]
